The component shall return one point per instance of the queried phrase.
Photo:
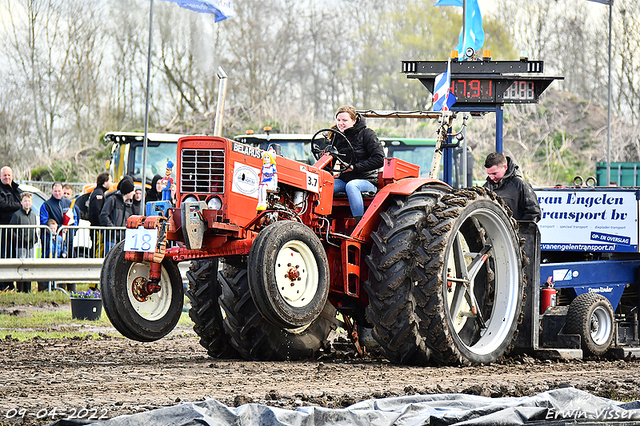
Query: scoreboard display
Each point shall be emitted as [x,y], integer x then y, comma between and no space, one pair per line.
[485,83]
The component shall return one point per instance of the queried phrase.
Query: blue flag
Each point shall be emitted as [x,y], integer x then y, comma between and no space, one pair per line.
[473,33]
[222,9]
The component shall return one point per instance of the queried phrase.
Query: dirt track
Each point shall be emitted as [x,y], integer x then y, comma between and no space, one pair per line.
[112,376]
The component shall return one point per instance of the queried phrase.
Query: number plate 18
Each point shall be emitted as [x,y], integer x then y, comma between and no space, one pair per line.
[141,239]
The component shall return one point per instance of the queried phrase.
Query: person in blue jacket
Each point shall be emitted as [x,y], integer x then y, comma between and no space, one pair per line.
[54,243]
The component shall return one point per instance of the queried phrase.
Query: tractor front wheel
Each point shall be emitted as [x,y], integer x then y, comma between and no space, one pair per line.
[134,311]
[289,278]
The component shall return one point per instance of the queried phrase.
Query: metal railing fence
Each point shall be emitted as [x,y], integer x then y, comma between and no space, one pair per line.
[73,253]
[33,253]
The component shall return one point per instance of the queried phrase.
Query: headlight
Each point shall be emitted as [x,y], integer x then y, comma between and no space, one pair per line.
[190,199]
[214,203]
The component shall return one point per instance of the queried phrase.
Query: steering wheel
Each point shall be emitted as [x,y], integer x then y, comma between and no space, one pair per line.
[332,150]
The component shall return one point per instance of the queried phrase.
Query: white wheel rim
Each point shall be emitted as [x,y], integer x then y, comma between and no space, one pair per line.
[156,306]
[600,326]
[296,273]
[505,297]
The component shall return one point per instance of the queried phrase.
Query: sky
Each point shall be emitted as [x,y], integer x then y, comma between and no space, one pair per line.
[489,6]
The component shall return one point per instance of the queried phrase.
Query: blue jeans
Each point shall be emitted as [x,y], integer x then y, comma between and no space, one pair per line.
[354,189]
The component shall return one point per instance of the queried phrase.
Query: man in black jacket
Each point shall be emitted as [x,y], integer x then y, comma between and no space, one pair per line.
[506,180]
[116,210]
[9,203]
[96,200]
[9,195]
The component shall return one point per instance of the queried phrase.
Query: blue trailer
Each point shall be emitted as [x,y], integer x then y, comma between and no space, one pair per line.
[589,260]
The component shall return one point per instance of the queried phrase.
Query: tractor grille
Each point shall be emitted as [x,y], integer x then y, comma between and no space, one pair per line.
[202,171]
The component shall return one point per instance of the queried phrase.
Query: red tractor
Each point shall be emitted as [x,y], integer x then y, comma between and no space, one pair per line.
[433,273]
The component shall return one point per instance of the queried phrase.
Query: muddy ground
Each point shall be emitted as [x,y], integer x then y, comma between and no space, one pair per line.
[112,376]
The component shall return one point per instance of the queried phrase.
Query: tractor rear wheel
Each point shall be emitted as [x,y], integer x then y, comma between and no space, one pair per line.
[206,314]
[254,337]
[134,312]
[591,316]
[470,279]
[390,287]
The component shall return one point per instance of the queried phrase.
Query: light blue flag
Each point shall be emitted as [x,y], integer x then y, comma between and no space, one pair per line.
[474,35]
[222,9]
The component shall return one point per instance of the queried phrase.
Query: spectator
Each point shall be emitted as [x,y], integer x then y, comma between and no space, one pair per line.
[67,191]
[56,208]
[155,192]
[54,247]
[25,238]
[137,198]
[96,201]
[9,195]
[117,208]
[506,180]
[9,204]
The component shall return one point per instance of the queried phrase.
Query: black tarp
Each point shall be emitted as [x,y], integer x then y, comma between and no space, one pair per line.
[556,407]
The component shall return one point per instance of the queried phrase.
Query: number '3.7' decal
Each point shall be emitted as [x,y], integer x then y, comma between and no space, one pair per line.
[313,182]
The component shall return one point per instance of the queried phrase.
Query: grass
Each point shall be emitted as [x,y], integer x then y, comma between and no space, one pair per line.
[8,298]
[51,324]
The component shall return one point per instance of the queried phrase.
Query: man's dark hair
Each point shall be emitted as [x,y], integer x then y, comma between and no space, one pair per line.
[494,159]
[102,178]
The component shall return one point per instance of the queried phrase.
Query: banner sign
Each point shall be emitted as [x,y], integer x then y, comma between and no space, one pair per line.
[597,220]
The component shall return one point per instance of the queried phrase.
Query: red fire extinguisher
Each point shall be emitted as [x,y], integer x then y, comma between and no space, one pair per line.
[548,295]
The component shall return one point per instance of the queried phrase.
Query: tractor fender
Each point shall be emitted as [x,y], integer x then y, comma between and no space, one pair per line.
[371,218]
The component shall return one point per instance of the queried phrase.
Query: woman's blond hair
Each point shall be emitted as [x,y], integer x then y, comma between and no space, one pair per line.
[349,110]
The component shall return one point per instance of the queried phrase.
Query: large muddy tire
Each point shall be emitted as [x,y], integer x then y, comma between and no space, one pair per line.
[206,314]
[254,337]
[470,279]
[390,287]
[144,319]
[590,315]
[289,279]
[106,276]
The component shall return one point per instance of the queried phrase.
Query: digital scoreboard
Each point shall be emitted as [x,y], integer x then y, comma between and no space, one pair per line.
[485,83]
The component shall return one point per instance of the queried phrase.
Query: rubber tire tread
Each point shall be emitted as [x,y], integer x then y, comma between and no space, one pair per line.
[429,288]
[579,317]
[116,303]
[205,312]
[262,280]
[255,338]
[106,289]
[390,285]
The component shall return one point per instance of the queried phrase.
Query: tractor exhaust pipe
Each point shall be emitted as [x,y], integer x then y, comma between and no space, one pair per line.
[222,95]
